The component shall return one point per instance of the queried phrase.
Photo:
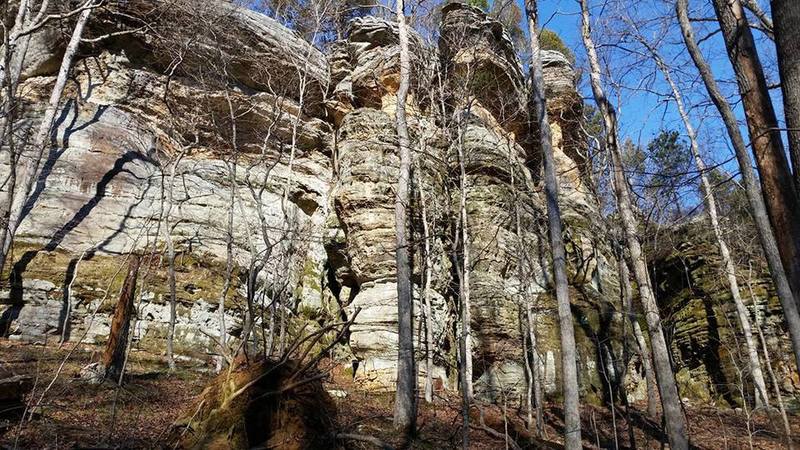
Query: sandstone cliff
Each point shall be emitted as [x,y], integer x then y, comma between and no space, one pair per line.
[300,145]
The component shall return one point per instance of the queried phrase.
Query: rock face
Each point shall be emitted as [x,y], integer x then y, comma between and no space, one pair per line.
[286,158]
[703,326]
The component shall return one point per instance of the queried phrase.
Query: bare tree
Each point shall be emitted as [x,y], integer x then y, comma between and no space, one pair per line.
[754,196]
[641,343]
[670,401]
[427,278]
[783,203]
[117,344]
[405,406]
[572,414]
[762,396]
[173,292]
[13,205]
[787,428]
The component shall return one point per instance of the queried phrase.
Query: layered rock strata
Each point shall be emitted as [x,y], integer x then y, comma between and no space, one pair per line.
[286,158]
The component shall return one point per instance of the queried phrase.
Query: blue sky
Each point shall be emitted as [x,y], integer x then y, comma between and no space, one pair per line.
[644,114]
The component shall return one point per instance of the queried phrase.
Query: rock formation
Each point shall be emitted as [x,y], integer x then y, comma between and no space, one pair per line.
[310,166]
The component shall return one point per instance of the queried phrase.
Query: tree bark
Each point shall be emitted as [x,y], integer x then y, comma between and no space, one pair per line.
[572,415]
[762,396]
[758,207]
[14,204]
[787,43]
[405,406]
[783,205]
[670,401]
[114,354]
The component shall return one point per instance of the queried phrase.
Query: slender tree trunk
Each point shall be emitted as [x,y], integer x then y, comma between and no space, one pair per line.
[405,406]
[114,355]
[787,43]
[226,283]
[783,205]
[787,428]
[466,265]
[762,396]
[533,397]
[670,401]
[572,414]
[628,317]
[426,290]
[754,196]
[465,397]
[529,404]
[465,344]
[173,292]
[282,331]
[641,343]
[463,270]
[29,172]
[536,375]
[65,324]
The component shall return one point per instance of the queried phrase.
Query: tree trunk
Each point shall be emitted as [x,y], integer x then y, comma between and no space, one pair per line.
[226,283]
[538,103]
[29,172]
[762,396]
[628,317]
[72,273]
[426,290]
[641,343]
[783,205]
[405,406]
[463,270]
[533,397]
[787,428]
[670,401]
[536,374]
[787,43]
[173,292]
[758,207]
[114,355]
[464,279]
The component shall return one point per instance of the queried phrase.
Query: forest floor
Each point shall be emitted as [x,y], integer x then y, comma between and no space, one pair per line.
[73,414]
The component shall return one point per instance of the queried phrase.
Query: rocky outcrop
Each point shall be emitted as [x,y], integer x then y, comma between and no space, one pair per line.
[299,149]
[501,179]
[702,324]
[299,170]
[123,124]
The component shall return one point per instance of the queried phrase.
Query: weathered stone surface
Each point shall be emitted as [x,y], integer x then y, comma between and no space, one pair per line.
[323,180]
[705,334]
[480,56]
[103,186]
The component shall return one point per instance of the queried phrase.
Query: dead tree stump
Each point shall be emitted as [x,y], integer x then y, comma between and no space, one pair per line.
[114,355]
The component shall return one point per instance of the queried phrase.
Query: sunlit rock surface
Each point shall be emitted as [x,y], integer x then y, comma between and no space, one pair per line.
[309,180]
